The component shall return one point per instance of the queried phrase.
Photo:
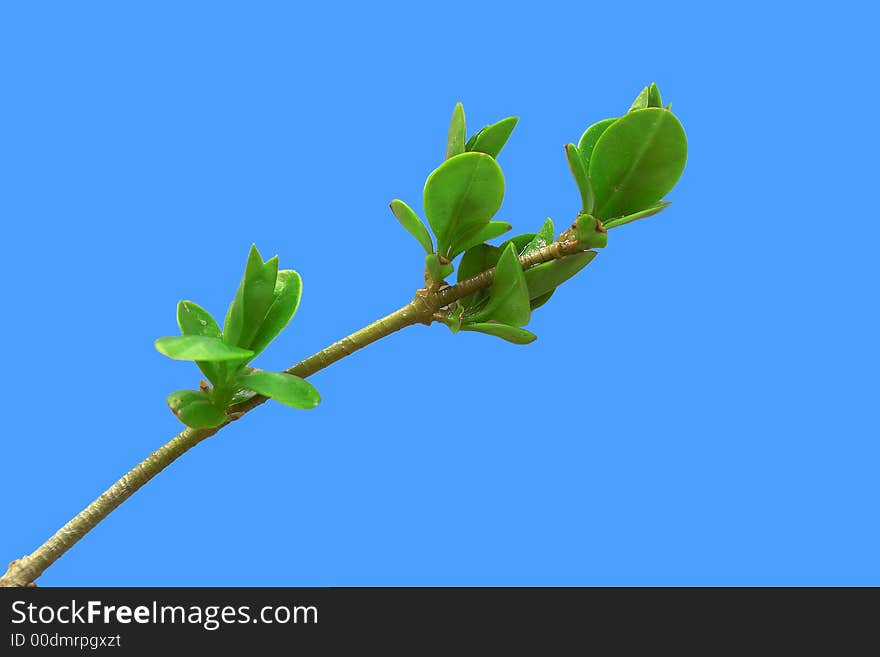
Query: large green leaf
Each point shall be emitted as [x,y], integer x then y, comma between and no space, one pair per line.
[201,348]
[546,277]
[508,297]
[457,132]
[288,291]
[642,214]
[475,260]
[488,232]
[491,139]
[503,331]
[414,226]
[252,300]
[286,388]
[195,320]
[579,171]
[461,196]
[194,409]
[590,137]
[636,162]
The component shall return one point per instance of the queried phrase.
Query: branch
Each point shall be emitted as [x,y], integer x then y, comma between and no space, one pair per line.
[24,571]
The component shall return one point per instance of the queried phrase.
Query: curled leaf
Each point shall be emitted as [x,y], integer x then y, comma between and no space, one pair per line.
[195,410]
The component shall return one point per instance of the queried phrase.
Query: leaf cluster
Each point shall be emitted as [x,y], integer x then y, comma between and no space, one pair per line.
[265,302]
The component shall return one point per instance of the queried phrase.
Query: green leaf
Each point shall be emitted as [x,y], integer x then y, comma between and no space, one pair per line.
[508,296]
[503,331]
[654,99]
[488,232]
[436,271]
[195,410]
[200,347]
[590,137]
[414,226]
[591,232]
[520,242]
[636,162]
[647,212]
[195,320]
[457,132]
[475,260]
[543,238]
[641,101]
[461,196]
[252,300]
[491,139]
[546,277]
[286,388]
[579,171]
[287,294]
[453,317]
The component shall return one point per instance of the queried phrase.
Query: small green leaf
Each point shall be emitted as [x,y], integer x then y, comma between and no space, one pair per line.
[546,277]
[252,300]
[195,320]
[508,296]
[590,137]
[544,237]
[195,410]
[642,214]
[286,388]
[491,139]
[414,226]
[654,99]
[437,271]
[636,162]
[590,232]
[452,318]
[457,132]
[488,232]
[503,331]
[520,242]
[475,260]
[461,196]
[288,291]
[641,101]
[579,171]
[200,347]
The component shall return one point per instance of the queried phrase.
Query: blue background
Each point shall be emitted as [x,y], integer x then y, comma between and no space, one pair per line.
[700,407]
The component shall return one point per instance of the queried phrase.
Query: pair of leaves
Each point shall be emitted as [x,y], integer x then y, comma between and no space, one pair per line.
[489,139]
[199,410]
[628,164]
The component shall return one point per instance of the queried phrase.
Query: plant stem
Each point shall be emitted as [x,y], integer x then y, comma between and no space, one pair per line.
[24,571]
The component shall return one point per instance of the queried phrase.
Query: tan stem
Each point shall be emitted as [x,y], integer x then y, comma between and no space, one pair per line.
[24,571]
